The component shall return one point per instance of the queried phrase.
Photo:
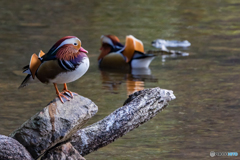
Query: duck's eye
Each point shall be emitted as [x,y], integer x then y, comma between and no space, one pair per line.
[75,44]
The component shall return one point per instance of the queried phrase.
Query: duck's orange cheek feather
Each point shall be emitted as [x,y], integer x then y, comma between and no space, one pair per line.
[104,52]
[67,53]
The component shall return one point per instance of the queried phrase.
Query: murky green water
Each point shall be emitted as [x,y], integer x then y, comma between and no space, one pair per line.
[205,115]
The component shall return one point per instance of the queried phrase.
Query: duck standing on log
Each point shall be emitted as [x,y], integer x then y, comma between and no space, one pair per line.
[65,62]
[115,55]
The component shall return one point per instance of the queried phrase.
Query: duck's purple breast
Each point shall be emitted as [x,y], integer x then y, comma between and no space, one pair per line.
[78,59]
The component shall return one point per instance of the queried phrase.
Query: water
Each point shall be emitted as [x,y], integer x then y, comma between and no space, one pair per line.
[205,115]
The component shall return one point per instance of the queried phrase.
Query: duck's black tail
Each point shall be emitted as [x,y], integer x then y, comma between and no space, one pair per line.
[25,81]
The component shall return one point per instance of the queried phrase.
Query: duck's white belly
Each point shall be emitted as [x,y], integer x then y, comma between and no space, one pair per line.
[71,76]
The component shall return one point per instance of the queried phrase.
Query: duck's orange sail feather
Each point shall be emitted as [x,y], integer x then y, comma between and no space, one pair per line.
[35,62]
[132,44]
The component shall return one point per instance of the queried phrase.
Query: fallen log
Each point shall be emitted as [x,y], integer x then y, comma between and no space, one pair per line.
[138,109]
[55,124]
[12,149]
[65,151]
[54,132]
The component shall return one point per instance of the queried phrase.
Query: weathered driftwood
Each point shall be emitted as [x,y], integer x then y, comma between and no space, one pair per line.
[56,123]
[138,108]
[12,149]
[49,132]
[65,151]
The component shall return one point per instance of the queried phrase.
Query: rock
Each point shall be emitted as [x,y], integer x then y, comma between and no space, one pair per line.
[140,107]
[65,151]
[10,149]
[56,123]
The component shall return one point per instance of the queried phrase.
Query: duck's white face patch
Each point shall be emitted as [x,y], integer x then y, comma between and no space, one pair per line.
[107,40]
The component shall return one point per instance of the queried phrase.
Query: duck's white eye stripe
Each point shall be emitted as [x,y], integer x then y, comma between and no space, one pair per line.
[67,41]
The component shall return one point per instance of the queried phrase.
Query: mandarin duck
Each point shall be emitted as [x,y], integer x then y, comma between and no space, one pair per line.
[65,62]
[115,55]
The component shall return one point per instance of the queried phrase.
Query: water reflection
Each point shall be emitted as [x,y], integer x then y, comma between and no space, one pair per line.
[112,79]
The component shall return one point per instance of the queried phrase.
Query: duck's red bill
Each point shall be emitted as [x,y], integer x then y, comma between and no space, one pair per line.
[83,50]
